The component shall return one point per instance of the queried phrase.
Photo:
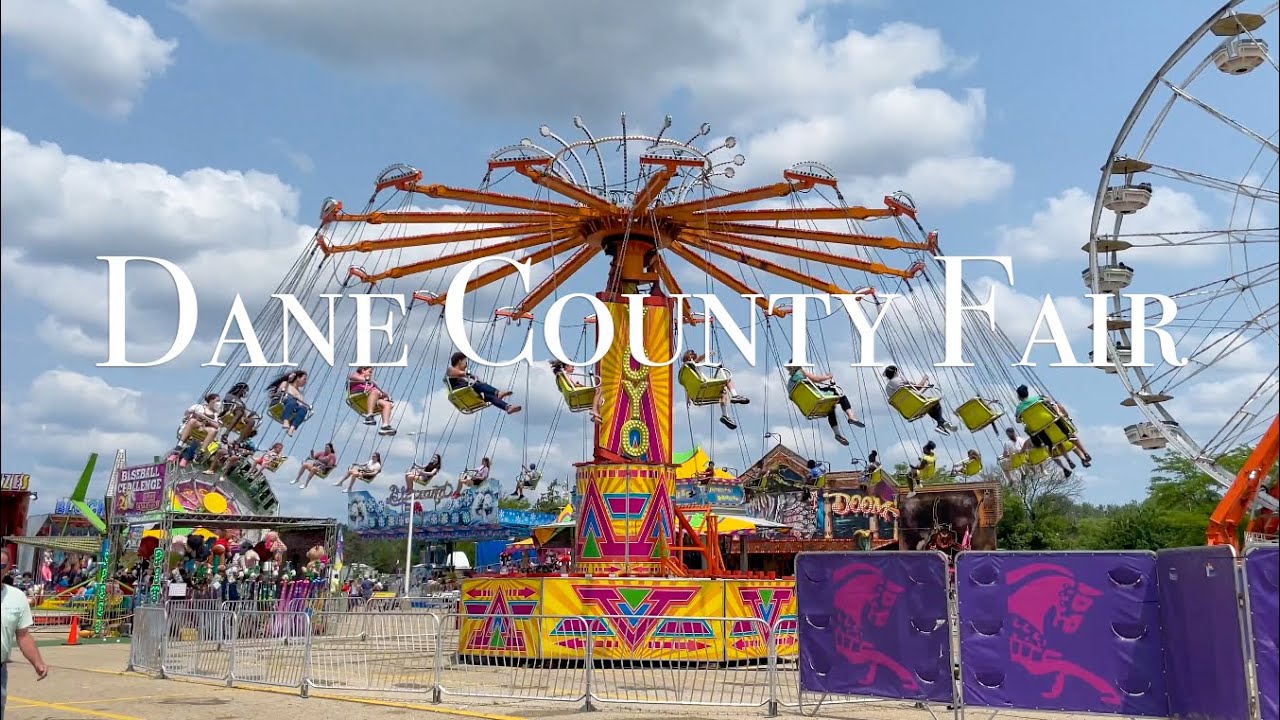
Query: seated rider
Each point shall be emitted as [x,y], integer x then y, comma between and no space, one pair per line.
[894,381]
[924,468]
[730,395]
[202,415]
[236,410]
[815,473]
[319,463]
[378,402]
[476,477]
[365,471]
[286,391]
[565,370]
[1040,439]
[273,455]
[422,474]
[528,478]
[458,377]
[973,456]
[797,375]
[1065,425]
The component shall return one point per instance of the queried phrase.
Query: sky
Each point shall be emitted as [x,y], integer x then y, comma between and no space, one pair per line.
[209,132]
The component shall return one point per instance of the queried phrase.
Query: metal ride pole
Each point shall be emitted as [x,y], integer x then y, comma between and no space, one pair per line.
[408,548]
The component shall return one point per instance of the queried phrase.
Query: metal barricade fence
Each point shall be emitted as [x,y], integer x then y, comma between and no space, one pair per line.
[147,642]
[196,643]
[709,661]
[504,656]
[271,648]
[715,661]
[374,652]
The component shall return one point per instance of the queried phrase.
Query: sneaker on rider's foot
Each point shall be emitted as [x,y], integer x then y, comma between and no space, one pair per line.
[740,400]
[387,430]
[728,422]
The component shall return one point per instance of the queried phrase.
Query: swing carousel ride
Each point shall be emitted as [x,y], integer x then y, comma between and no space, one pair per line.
[1218,86]
[658,216]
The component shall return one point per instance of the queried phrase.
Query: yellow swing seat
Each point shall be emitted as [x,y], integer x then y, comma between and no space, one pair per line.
[1063,448]
[978,413]
[276,464]
[1056,434]
[466,399]
[1036,417]
[971,468]
[912,404]
[1017,460]
[276,412]
[577,398]
[323,472]
[701,389]
[240,426]
[814,402]
[1037,455]
[359,403]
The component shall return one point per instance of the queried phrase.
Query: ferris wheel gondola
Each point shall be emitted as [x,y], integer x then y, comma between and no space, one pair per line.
[1215,85]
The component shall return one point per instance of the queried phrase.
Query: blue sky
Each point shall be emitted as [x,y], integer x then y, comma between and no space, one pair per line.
[209,133]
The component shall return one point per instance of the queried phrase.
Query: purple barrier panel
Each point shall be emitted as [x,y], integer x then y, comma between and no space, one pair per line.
[1204,656]
[874,624]
[1073,632]
[1262,583]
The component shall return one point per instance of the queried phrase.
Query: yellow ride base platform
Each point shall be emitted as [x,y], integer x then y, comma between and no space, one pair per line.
[646,619]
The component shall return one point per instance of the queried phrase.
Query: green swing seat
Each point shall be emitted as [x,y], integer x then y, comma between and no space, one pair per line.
[814,402]
[578,398]
[912,404]
[466,399]
[701,389]
[1037,455]
[978,413]
[971,468]
[241,426]
[276,464]
[1016,461]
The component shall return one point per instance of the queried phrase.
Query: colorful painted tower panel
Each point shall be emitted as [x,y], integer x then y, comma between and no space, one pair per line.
[625,518]
[636,402]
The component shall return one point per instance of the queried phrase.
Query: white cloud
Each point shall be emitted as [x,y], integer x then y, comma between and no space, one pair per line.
[1061,229]
[768,71]
[213,224]
[98,54]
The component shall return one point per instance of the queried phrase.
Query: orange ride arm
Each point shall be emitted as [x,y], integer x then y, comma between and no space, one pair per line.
[521,243]
[884,243]
[721,276]
[760,264]
[381,217]
[558,276]
[567,189]
[367,246]
[656,184]
[764,192]
[851,263]
[484,197]
[1225,521]
[504,270]
[778,214]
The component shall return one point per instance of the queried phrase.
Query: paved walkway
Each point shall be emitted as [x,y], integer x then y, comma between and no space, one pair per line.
[88,682]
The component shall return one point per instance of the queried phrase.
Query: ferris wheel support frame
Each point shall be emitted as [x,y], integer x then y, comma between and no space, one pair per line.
[1164,422]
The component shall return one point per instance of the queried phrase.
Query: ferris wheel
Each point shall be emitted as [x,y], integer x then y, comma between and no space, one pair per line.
[1187,207]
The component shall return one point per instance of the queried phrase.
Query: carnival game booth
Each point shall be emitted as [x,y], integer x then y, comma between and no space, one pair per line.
[196,544]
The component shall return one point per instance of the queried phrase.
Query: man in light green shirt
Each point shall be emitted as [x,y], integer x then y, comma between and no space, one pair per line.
[15,631]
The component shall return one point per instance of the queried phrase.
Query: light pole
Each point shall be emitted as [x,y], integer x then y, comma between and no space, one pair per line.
[408,545]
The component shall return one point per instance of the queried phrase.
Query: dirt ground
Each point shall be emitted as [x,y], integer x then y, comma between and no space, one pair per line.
[89,681]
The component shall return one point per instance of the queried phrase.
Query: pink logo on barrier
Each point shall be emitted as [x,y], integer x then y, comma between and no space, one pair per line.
[1050,593]
[865,598]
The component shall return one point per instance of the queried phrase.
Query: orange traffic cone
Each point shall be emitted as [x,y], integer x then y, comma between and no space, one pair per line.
[73,637]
